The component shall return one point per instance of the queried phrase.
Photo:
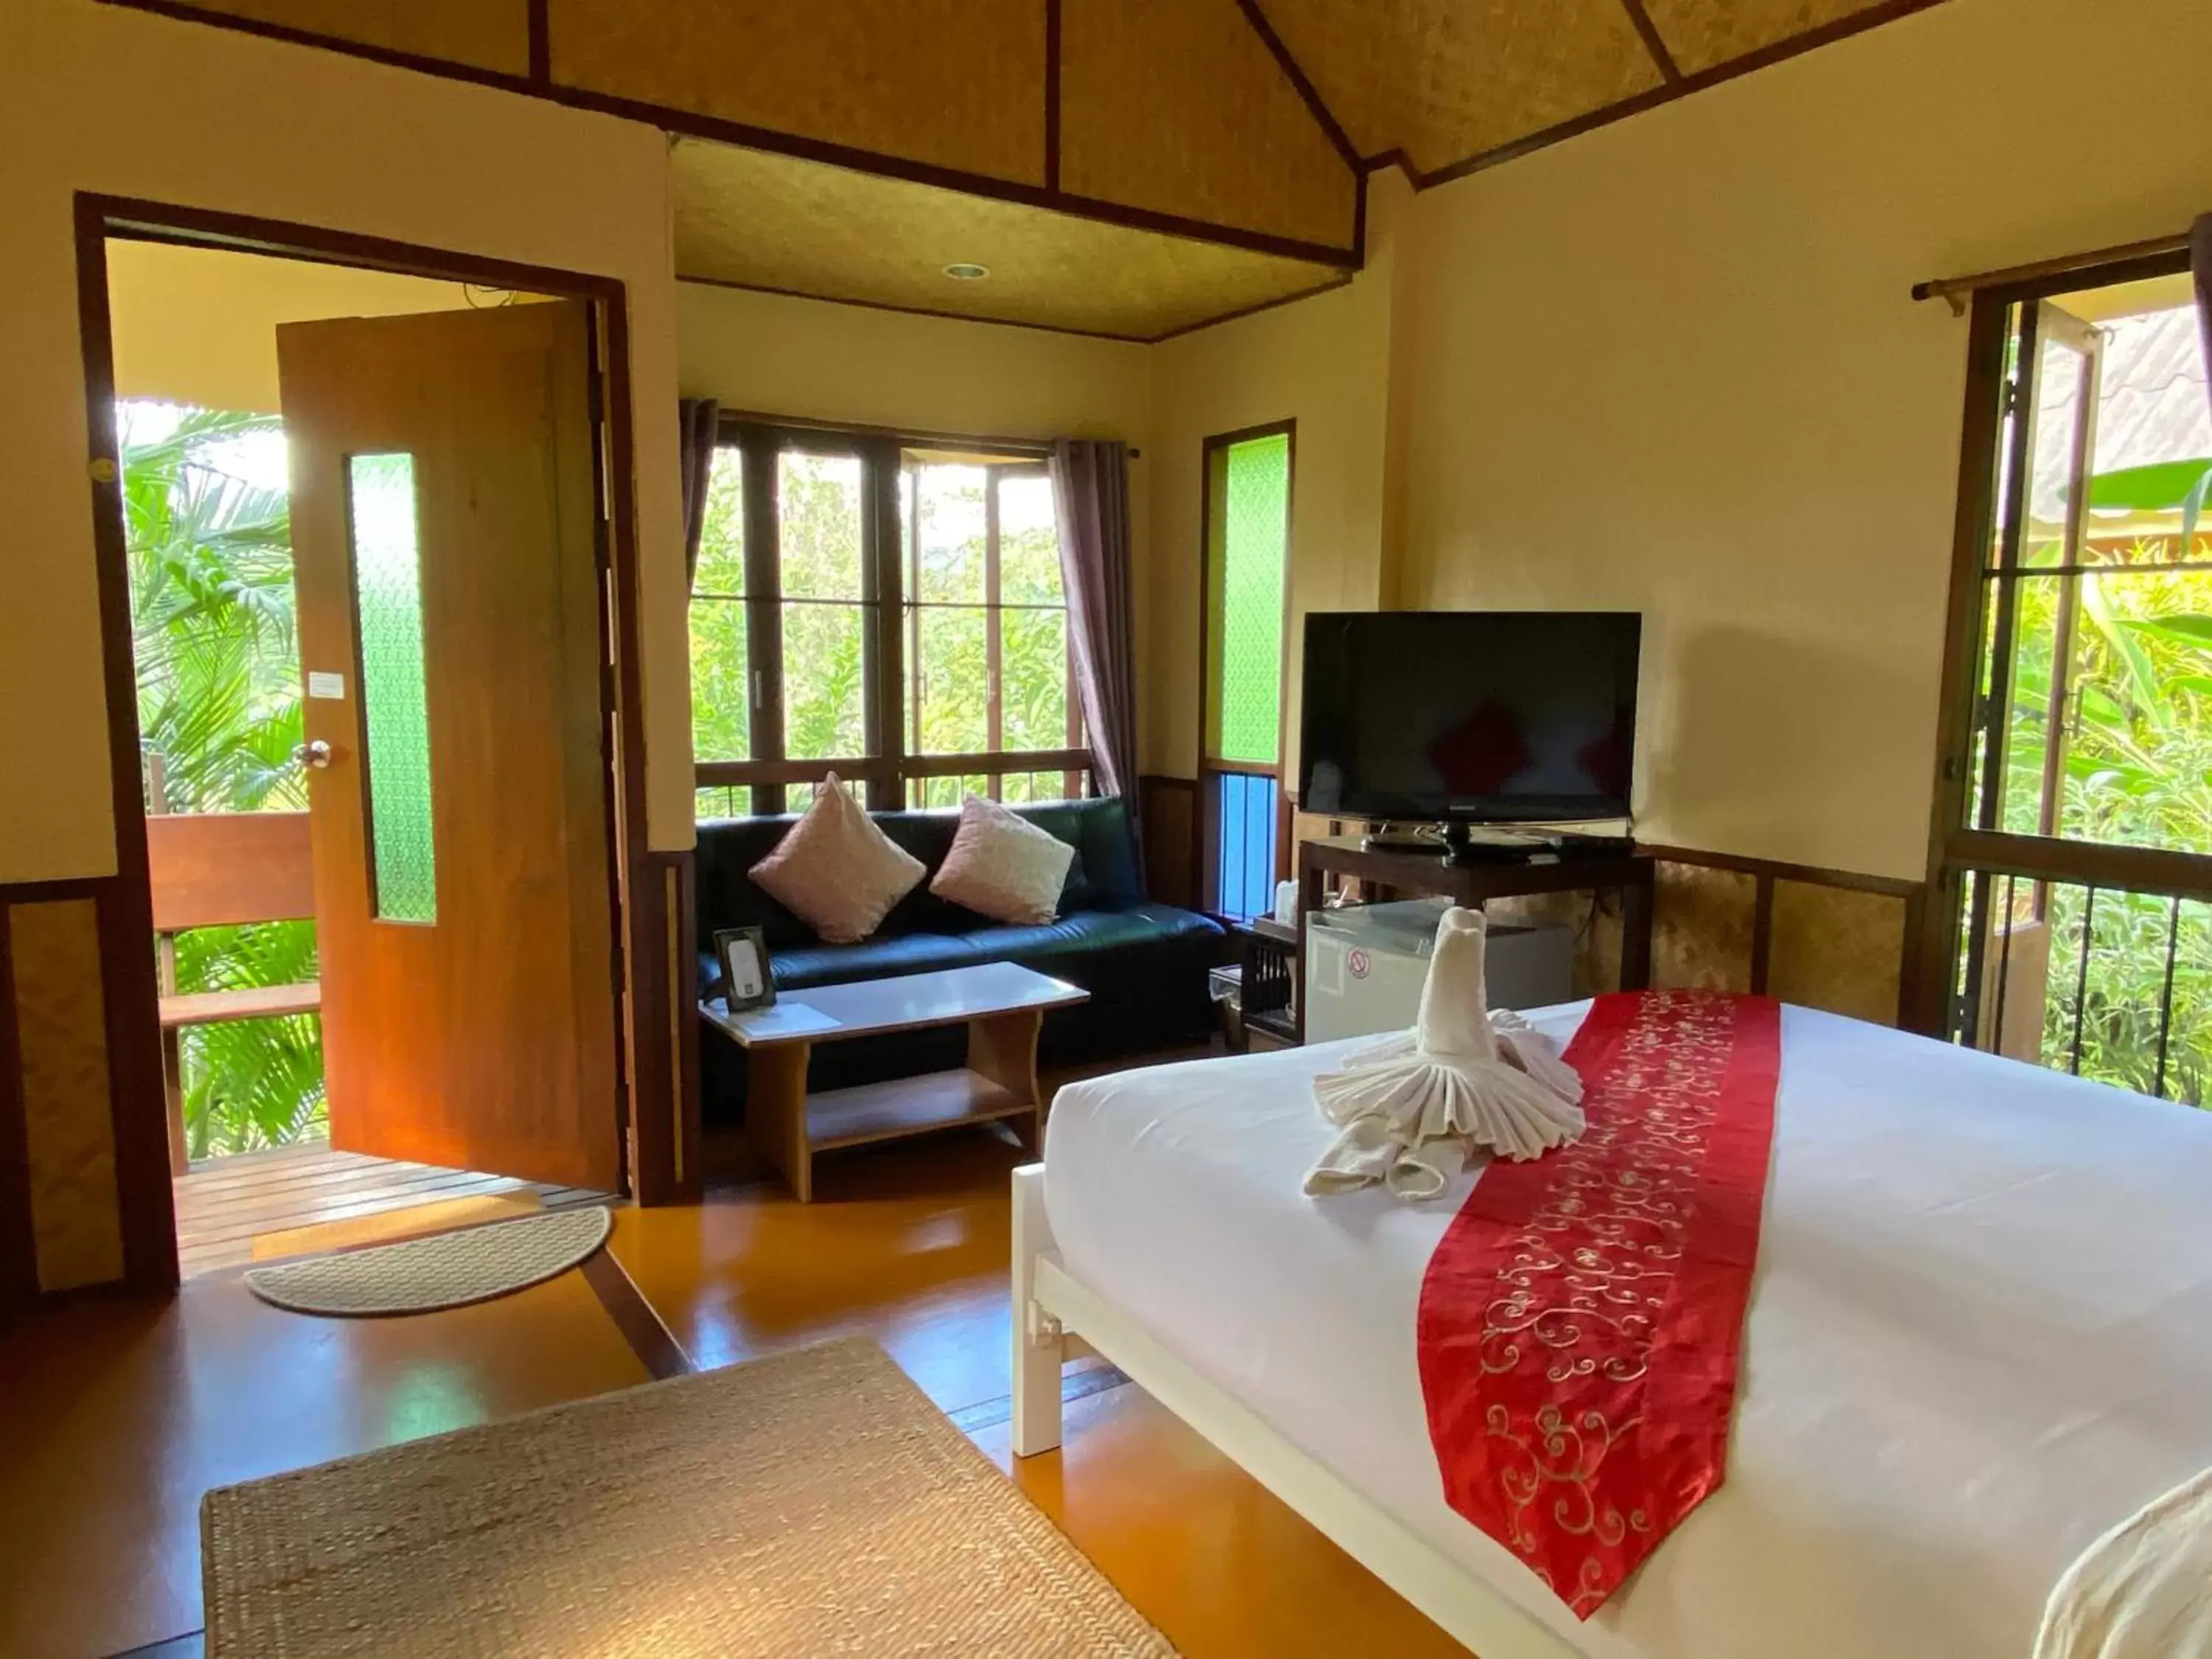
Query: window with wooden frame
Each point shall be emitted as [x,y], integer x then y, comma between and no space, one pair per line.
[2072,920]
[989,668]
[1244,596]
[889,611]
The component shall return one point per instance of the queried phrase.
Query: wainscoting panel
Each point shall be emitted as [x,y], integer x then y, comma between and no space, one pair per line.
[1703,922]
[1837,948]
[69,1137]
[1168,808]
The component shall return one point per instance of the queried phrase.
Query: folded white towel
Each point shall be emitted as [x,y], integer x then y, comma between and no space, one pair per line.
[1414,1108]
[2142,1591]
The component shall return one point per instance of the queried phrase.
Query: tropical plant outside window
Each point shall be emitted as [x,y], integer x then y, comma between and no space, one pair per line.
[208,532]
[2097,646]
[869,557]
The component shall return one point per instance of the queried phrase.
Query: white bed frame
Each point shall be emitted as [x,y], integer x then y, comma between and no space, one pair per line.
[1052,1309]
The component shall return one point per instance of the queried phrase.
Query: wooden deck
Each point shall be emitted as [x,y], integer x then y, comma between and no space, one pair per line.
[222,1203]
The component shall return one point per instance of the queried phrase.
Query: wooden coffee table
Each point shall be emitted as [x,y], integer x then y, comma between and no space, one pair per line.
[1002,1006]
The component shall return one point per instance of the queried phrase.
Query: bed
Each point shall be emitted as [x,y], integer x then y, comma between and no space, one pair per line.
[1980,1334]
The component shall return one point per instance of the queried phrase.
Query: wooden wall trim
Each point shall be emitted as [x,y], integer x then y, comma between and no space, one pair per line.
[688,123]
[19,1247]
[1775,870]
[131,993]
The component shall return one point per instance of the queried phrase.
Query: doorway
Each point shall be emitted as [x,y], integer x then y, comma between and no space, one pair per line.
[2073,814]
[379,738]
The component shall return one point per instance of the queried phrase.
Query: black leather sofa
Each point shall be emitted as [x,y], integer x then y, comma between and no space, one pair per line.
[1144,963]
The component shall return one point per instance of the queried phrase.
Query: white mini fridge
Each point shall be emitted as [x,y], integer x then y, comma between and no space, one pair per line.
[1365,965]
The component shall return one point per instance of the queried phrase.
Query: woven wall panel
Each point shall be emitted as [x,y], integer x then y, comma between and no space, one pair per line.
[68,1129]
[1444,80]
[772,222]
[1702,33]
[1837,948]
[955,83]
[1701,927]
[1178,105]
[491,35]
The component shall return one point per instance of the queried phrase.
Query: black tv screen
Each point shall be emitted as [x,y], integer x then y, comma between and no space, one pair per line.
[1499,716]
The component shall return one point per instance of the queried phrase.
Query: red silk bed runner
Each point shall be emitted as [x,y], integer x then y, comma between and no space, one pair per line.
[1580,1320]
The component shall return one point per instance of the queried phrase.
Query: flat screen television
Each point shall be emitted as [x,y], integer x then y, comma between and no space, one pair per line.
[1474,716]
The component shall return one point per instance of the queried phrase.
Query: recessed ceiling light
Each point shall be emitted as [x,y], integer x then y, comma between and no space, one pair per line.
[967,273]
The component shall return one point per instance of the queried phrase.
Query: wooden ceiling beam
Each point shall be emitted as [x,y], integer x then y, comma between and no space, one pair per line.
[1337,138]
[1648,32]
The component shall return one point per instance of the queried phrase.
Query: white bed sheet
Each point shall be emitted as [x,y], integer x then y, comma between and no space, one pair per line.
[1980,1333]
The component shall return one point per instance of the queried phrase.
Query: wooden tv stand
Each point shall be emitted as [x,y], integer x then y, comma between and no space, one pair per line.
[1386,874]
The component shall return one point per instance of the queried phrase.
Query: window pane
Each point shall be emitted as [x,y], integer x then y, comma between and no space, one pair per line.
[1028,541]
[394,695]
[721,681]
[2154,439]
[717,803]
[822,690]
[722,540]
[947,555]
[2135,721]
[1033,678]
[949,706]
[1251,570]
[818,516]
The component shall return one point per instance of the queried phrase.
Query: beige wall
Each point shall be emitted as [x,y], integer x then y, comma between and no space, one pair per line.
[773,354]
[198,325]
[96,97]
[1324,363]
[1672,365]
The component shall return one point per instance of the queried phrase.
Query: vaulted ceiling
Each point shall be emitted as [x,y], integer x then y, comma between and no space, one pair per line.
[1123,167]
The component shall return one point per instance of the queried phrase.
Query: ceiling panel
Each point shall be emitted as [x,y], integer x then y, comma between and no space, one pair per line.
[1443,80]
[489,34]
[1178,105]
[765,220]
[954,83]
[1702,35]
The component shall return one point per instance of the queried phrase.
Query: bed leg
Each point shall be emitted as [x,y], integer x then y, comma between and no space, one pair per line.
[1038,1348]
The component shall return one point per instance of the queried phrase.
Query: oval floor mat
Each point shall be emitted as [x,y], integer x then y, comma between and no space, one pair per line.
[447,1271]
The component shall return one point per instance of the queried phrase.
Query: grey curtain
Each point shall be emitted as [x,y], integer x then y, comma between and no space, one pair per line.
[1090,494]
[698,420]
[2200,264]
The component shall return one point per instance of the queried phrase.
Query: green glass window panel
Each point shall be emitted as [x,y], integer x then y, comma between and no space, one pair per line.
[394,696]
[823,682]
[1033,678]
[722,567]
[1253,563]
[721,681]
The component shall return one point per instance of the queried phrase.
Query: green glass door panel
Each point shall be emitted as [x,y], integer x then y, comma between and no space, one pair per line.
[1253,568]
[387,567]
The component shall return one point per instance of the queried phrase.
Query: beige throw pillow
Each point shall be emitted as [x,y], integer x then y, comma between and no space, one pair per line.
[1003,866]
[836,870]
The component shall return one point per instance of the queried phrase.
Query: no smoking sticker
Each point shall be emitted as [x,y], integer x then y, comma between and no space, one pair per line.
[1357,961]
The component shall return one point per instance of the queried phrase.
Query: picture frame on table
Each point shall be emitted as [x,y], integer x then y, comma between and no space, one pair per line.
[748,980]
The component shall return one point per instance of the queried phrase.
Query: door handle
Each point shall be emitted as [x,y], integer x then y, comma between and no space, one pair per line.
[316,754]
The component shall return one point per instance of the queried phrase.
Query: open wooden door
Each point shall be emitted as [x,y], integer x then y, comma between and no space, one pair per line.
[451,635]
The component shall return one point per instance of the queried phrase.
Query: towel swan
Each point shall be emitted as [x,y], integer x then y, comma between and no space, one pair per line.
[1413,1109]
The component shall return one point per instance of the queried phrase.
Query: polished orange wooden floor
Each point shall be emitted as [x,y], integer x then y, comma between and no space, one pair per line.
[139,1409]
